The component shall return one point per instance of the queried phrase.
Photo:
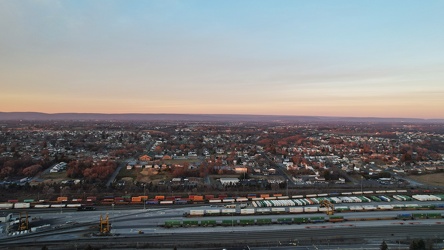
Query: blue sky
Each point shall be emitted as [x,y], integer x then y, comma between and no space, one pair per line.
[332,58]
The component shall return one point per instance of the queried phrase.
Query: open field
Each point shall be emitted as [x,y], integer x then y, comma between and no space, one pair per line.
[429,179]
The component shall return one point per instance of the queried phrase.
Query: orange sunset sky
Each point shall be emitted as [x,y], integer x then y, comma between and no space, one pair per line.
[316,58]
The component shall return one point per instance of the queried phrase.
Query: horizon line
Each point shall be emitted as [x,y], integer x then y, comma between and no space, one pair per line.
[215,114]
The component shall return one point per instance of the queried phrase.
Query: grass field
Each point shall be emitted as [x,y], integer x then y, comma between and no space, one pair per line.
[429,179]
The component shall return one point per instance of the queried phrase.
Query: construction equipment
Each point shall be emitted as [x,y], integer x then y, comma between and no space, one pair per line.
[327,204]
[23,221]
[105,226]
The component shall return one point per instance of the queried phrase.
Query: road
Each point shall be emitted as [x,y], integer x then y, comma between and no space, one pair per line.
[114,175]
[280,169]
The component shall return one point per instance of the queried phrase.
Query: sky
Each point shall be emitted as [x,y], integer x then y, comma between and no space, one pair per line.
[369,58]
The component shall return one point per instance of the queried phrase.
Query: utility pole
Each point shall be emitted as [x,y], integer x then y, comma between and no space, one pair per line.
[361,182]
[144,199]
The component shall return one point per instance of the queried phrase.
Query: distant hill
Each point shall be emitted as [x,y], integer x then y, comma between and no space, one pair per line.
[36,116]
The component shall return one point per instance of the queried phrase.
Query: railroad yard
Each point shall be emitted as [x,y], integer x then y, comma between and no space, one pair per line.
[395,216]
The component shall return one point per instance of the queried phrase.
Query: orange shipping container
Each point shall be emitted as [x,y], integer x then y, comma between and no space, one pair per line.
[136,199]
[144,197]
[198,198]
[62,198]
[159,197]
[277,195]
[265,195]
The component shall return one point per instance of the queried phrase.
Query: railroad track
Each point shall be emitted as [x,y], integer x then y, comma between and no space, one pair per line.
[210,239]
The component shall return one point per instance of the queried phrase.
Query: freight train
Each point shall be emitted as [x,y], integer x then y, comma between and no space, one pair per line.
[249,222]
[295,220]
[305,210]
[257,200]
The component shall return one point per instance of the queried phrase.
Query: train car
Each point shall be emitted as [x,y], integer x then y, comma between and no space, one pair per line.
[86,208]
[152,202]
[108,199]
[385,198]
[228,200]
[263,210]
[229,223]
[266,221]
[215,201]
[58,205]
[407,216]
[62,199]
[356,208]
[434,216]
[284,221]
[190,223]
[212,212]
[209,197]
[335,219]
[297,196]
[208,223]
[369,208]
[417,216]
[278,210]
[385,207]
[301,220]
[22,205]
[318,219]
[196,213]
[247,211]
[73,205]
[295,210]
[228,211]
[172,223]
[311,209]
[241,199]
[342,208]
[159,197]
[180,202]
[246,222]
[283,197]
[251,196]
[42,205]
[197,198]
[6,205]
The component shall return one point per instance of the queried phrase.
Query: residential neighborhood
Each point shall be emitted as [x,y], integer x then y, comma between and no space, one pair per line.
[70,157]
